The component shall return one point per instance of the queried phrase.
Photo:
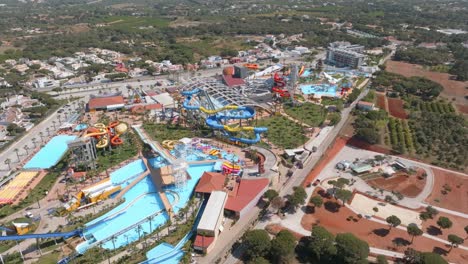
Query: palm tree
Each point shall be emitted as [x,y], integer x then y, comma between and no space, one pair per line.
[53,123]
[113,238]
[139,229]
[59,117]
[17,154]
[41,134]
[33,140]
[150,219]
[7,162]
[48,131]
[26,147]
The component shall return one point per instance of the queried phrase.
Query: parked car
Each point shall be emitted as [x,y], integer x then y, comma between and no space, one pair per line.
[29,215]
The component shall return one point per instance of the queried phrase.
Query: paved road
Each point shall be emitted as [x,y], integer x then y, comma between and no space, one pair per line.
[299,175]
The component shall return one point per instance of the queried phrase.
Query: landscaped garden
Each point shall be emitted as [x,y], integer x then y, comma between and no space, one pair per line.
[283,132]
[308,113]
[161,132]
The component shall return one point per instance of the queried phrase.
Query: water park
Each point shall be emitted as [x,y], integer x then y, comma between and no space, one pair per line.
[151,170]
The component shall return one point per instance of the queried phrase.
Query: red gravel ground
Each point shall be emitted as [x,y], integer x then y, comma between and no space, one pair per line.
[452,89]
[395,107]
[459,223]
[457,198]
[408,185]
[382,101]
[377,235]
[327,157]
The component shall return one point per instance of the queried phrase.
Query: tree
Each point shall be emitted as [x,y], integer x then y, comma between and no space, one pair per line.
[259,260]
[343,195]
[271,194]
[432,258]
[429,213]
[34,140]
[444,222]
[466,230]
[321,245]
[282,247]
[26,148]
[351,249]
[7,162]
[455,240]
[381,259]
[16,150]
[277,203]
[298,197]
[316,200]
[393,221]
[257,243]
[414,231]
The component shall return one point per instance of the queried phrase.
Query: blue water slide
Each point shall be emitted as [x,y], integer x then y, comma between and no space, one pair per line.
[214,121]
[65,235]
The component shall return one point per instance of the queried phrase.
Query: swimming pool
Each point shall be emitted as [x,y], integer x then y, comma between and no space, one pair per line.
[50,154]
[80,127]
[141,201]
[127,173]
[319,89]
[160,251]
[306,73]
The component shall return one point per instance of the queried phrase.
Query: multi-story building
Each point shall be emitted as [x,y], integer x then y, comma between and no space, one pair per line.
[343,54]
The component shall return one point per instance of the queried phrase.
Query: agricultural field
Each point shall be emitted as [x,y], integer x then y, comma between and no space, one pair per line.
[401,137]
[308,113]
[435,107]
[395,107]
[283,132]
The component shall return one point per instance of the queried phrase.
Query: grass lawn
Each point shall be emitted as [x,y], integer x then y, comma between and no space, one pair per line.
[308,113]
[107,159]
[48,259]
[283,132]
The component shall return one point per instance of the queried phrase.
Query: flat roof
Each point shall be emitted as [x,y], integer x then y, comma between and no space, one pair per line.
[361,168]
[213,210]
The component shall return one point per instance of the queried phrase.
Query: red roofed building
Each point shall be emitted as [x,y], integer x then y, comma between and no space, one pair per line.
[247,196]
[209,182]
[202,243]
[231,81]
[110,102]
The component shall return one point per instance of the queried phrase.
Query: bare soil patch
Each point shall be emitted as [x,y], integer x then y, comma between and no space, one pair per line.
[408,185]
[452,88]
[459,223]
[382,101]
[395,107]
[455,199]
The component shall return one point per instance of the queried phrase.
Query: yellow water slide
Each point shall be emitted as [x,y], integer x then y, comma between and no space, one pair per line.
[210,112]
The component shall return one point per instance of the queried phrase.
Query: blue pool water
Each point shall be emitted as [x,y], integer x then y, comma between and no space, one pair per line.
[80,127]
[319,89]
[306,73]
[140,201]
[163,249]
[50,154]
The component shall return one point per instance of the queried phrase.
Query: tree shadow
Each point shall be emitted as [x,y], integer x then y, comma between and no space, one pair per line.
[434,230]
[401,241]
[302,252]
[381,232]
[333,207]
[324,194]
[308,209]
[440,251]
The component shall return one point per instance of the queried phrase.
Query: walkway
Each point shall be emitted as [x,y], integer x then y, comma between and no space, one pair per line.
[133,183]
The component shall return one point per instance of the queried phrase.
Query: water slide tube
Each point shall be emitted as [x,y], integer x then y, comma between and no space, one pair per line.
[119,129]
[301,71]
[231,168]
[213,121]
[279,83]
[65,235]
[101,135]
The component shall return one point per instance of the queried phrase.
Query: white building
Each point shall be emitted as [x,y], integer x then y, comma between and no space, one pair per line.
[45,82]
